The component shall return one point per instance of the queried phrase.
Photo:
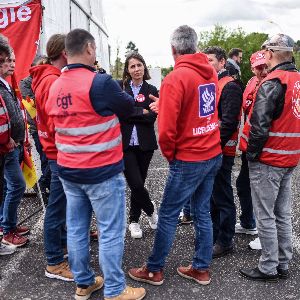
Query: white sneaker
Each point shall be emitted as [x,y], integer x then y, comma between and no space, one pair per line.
[240,229]
[255,244]
[7,249]
[153,219]
[135,230]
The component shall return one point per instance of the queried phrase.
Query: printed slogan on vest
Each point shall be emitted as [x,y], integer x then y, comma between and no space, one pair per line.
[296,100]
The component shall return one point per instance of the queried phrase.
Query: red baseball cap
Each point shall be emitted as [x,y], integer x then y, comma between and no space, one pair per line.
[257,59]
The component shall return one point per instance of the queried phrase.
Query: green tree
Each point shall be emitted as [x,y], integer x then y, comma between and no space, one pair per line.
[234,38]
[166,71]
[117,68]
[131,47]
[297,54]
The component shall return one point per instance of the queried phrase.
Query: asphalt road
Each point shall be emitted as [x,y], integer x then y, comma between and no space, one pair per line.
[23,272]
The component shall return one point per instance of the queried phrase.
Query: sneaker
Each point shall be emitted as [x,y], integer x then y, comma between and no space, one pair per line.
[153,219]
[200,276]
[185,220]
[7,249]
[240,229]
[15,239]
[220,251]
[144,275]
[135,230]
[85,293]
[21,230]
[130,294]
[255,244]
[60,271]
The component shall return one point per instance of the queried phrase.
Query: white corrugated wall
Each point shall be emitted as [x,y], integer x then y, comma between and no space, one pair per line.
[60,16]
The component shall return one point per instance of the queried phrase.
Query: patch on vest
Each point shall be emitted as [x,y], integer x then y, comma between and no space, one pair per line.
[296,100]
[207,99]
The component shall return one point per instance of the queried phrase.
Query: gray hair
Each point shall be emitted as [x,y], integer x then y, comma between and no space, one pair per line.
[184,40]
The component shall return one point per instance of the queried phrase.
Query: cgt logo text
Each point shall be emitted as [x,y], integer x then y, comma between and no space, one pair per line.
[64,101]
[13,14]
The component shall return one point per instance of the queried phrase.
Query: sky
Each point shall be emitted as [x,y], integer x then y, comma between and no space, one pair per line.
[149,23]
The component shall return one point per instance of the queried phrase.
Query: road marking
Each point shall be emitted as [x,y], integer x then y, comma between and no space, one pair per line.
[14,261]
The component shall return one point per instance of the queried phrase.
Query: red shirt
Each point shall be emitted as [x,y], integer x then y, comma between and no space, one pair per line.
[188,116]
[43,77]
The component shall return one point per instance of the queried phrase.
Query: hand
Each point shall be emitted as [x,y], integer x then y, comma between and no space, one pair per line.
[145,111]
[11,145]
[154,105]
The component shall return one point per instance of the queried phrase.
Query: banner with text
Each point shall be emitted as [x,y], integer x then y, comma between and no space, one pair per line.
[21,25]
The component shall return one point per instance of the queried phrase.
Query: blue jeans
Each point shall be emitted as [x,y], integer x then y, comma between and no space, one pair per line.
[55,234]
[244,193]
[14,190]
[107,200]
[186,180]
[223,210]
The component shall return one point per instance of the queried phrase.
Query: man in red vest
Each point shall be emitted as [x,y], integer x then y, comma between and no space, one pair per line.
[222,205]
[6,143]
[85,107]
[271,139]
[247,224]
[189,138]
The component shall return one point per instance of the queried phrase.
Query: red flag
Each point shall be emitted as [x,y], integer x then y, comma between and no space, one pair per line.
[22,25]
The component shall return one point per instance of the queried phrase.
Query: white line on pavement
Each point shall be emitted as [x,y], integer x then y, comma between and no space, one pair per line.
[15,259]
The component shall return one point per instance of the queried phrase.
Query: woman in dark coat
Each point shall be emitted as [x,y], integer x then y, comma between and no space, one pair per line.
[139,141]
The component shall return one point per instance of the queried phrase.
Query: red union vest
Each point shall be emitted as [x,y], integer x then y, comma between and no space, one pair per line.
[249,93]
[83,138]
[282,148]
[4,124]
[230,147]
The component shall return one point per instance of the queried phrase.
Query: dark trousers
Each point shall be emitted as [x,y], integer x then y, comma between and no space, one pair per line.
[136,167]
[55,234]
[244,193]
[45,179]
[223,210]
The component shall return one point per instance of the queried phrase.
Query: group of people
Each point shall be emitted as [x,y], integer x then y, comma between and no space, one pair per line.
[92,128]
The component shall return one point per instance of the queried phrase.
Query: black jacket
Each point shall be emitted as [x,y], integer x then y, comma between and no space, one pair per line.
[268,106]
[26,90]
[235,74]
[144,122]
[229,108]
[15,114]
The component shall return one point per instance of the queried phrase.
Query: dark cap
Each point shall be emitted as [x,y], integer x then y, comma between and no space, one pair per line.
[279,42]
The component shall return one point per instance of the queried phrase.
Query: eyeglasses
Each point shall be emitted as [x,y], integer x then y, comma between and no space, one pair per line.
[270,50]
